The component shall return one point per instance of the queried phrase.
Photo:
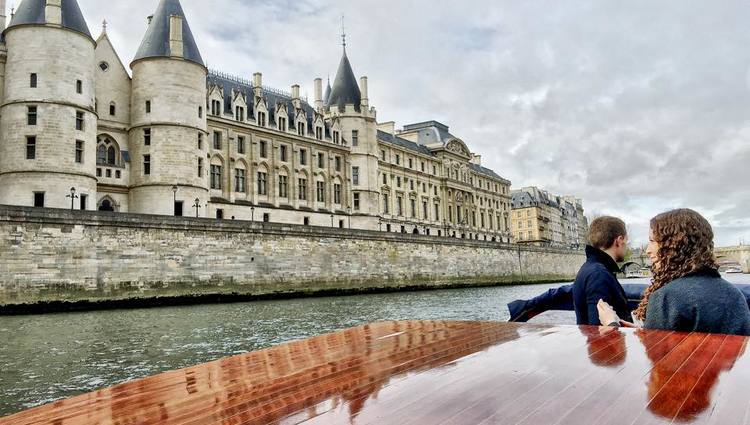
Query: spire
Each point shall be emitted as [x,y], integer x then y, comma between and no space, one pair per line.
[158,40]
[32,12]
[343,33]
[327,94]
[104,26]
[345,89]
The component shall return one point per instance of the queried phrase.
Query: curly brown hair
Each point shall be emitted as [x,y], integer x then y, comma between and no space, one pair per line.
[686,245]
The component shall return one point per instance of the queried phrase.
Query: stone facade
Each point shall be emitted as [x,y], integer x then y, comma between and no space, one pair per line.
[49,255]
[177,139]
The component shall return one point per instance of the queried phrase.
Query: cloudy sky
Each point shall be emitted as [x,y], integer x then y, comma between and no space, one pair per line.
[635,106]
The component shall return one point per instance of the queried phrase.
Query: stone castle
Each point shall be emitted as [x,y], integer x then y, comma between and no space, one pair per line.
[170,137]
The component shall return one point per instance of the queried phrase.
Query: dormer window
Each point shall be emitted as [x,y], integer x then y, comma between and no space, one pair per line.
[215,107]
[262,119]
[301,128]
[282,124]
[319,133]
[239,113]
[336,137]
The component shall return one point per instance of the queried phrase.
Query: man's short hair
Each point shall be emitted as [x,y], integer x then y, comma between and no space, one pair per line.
[604,230]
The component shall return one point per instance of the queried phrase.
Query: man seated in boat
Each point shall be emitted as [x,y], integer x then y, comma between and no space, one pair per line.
[596,280]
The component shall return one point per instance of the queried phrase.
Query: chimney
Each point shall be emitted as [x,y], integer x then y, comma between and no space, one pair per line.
[363,90]
[388,127]
[258,84]
[53,12]
[318,94]
[295,96]
[476,159]
[176,46]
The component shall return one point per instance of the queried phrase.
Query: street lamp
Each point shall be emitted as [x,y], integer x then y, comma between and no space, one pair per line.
[197,206]
[252,213]
[331,220]
[72,197]
[174,199]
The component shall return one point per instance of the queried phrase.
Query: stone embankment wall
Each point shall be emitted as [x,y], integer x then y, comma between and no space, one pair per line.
[58,259]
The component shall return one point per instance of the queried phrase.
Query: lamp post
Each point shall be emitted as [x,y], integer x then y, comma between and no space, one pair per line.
[197,206]
[72,197]
[252,213]
[174,200]
[331,220]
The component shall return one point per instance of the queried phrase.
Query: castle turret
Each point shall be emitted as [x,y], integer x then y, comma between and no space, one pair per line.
[346,105]
[47,120]
[168,136]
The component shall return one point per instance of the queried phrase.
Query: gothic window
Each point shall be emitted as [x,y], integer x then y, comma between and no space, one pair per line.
[321,192]
[303,189]
[262,183]
[239,180]
[106,152]
[215,176]
[337,194]
[283,187]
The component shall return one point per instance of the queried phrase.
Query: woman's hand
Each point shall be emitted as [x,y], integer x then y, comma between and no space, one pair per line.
[607,314]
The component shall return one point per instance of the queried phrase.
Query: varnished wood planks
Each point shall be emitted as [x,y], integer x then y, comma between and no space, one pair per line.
[423,372]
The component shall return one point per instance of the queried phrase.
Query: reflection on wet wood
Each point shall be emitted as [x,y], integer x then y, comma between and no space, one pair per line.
[422,372]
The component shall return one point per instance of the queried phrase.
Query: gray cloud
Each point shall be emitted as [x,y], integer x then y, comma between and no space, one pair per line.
[635,106]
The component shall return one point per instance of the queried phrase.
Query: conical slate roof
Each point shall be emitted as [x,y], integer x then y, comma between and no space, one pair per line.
[327,94]
[345,88]
[156,41]
[31,12]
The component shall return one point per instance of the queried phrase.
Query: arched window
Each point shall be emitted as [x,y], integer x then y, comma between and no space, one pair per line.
[107,152]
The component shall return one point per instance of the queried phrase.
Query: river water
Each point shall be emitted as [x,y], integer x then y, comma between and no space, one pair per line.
[48,357]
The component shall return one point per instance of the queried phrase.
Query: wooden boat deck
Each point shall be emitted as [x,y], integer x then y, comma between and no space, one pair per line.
[421,372]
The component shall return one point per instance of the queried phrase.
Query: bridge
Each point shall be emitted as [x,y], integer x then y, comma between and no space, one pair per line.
[738,254]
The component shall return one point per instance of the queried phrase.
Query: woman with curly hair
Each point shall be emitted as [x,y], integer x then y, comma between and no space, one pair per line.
[687,292]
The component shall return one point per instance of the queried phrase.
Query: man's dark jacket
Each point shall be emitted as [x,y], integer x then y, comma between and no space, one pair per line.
[596,281]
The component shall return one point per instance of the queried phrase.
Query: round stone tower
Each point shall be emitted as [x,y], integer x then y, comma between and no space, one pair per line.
[168,136]
[47,118]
